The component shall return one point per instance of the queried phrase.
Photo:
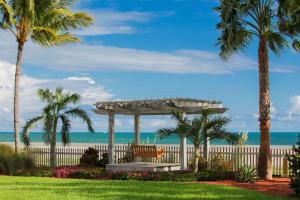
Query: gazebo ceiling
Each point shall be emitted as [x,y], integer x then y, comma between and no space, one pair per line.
[157,106]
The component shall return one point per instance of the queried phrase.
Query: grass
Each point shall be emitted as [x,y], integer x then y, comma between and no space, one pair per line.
[33,188]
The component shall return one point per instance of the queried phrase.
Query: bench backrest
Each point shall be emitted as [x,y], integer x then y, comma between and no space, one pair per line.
[144,150]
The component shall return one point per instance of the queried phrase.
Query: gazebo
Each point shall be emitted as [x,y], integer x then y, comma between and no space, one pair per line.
[137,108]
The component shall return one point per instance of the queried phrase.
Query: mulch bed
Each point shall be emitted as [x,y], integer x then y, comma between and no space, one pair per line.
[277,186]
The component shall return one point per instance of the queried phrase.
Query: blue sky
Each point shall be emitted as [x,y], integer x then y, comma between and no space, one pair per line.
[153,49]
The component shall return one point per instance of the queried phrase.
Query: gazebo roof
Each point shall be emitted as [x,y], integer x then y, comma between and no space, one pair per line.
[157,106]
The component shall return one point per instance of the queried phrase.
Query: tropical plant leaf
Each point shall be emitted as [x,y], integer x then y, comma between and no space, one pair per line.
[81,114]
[28,125]
[65,130]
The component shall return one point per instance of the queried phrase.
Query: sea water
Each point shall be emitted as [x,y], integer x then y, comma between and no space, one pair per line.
[277,138]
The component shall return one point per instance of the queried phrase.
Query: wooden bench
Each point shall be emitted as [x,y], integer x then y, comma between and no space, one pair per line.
[147,151]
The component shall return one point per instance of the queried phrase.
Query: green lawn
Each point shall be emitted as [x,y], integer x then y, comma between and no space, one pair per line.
[23,188]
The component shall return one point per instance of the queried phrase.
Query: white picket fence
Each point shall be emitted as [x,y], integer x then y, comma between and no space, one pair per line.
[238,155]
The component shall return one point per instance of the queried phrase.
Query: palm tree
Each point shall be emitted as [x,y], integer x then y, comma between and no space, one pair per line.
[200,127]
[240,22]
[289,20]
[45,22]
[57,109]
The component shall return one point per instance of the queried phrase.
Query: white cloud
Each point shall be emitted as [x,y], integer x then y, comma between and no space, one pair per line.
[29,103]
[286,69]
[115,22]
[295,108]
[273,110]
[75,78]
[89,57]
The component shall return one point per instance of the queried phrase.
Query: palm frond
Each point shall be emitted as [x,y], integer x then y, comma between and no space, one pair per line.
[222,134]
[65,129]
[45,95]
[276,42]
[28,125]
[7,15]
[165,132]
[81,114]
[241,20]
[46,22]
[67,99]
[296,45]
[234,34]
[48,123]
[216,122]
[63,39]
[43,35]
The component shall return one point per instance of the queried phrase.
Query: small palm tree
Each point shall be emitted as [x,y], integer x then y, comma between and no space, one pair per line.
[57,109]
[240,22]
[200,127]
[45,22]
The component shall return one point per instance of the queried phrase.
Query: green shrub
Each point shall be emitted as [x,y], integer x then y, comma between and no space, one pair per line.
[10,164]
[219,163]
[104,160]
[294,166]
[209,175]
[37,172]
[81,175]
[7,165]
[6,150]
[23,161]
[90,158]
[128,157]
[179,176]
[120,176]
[246,174]
[202,163]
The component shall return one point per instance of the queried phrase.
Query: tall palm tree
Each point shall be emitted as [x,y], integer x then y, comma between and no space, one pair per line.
[240,22]
[200,127]
[58,108]
[45,22]
[289,20]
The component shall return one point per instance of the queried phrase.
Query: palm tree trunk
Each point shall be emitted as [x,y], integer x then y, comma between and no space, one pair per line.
[17,97]
[52,151]
[53,160]
[196,161]
[264,159]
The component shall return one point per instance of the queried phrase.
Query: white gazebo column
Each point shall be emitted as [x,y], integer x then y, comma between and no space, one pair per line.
[137,128]
[206,149]
[111,138]
[183,152]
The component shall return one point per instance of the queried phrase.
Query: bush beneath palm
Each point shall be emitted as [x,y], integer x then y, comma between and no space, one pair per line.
[246,174]
[219,163]
[202,164]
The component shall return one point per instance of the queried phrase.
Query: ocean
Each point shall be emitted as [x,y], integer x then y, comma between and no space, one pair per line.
[277,138]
